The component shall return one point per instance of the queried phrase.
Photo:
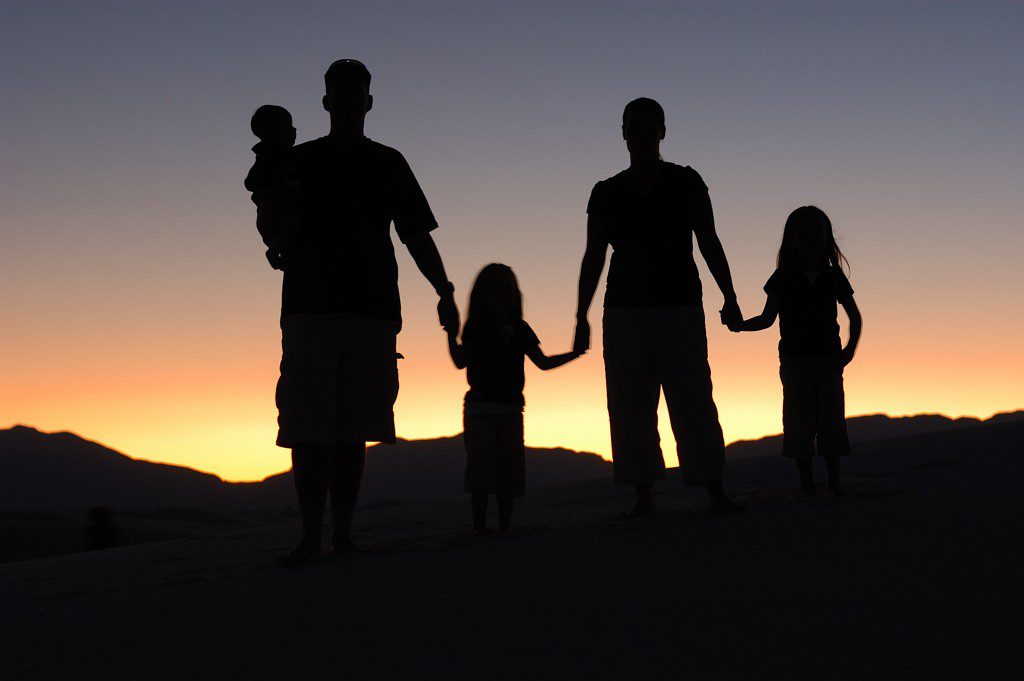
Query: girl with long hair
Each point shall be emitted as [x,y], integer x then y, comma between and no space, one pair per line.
[803,293]
[495,340]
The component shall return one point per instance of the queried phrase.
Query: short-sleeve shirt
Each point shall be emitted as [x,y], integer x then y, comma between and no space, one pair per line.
[808,312]
[651,235]
[343,259]
[494,361]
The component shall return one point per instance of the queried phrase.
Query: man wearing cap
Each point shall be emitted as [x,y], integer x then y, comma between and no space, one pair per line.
[340,308]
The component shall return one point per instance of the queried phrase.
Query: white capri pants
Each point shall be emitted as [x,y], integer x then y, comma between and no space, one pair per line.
[647,350]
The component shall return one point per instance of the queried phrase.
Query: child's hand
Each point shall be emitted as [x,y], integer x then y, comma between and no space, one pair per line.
[845,357]
[731,324]
[731,315]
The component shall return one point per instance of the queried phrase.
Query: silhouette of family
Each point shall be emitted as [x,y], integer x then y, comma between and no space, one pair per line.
[324,209]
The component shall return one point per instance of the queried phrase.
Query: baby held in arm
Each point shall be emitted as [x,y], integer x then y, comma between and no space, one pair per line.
[273,182]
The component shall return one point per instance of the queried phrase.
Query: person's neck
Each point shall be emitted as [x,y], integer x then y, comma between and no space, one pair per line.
[346,132]
[645,160]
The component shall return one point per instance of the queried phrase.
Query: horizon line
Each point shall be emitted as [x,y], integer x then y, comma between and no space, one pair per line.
[981,419]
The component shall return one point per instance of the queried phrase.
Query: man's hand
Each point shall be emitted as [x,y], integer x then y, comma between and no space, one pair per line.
[845,357]
[581,340]
[731,315]
[448,312]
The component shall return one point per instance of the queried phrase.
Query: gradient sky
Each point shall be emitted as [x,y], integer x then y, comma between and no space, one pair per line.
[138,310]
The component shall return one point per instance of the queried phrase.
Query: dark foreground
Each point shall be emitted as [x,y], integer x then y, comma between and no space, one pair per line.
[915,574]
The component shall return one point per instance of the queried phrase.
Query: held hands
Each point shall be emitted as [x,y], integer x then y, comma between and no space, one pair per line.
[448,312]
[731,315]
[581,339]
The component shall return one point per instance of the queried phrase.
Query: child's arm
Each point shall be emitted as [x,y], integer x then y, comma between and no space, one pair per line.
[546,363]
[456,349]
[856,322]
[761,321]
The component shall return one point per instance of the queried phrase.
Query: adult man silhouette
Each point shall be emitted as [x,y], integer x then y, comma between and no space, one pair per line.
[340,309]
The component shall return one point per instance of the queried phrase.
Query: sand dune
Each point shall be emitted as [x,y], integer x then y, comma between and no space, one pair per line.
[914,575]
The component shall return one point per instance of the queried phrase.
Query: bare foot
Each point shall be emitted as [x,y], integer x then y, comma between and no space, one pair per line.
[345,545]
[643,506]
[299,555]
[723,504]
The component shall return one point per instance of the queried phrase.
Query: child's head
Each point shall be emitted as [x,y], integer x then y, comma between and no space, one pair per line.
[272,123]
[808,241]
[495,295]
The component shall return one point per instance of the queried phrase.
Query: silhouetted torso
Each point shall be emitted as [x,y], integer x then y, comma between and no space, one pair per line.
[344,260]
[494,362]
[651,234]
[808,313]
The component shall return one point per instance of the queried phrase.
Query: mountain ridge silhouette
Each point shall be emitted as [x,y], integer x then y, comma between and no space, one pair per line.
[63,471]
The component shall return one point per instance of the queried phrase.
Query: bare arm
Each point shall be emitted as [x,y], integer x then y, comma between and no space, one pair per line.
[856,324]
[546,363]
[761,321]
[424,252]
[590,274]
[714,255]
[456,350]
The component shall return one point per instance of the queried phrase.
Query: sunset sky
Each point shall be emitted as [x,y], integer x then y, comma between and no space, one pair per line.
[138,310]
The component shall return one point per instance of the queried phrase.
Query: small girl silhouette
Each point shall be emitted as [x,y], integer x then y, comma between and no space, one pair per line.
[803,292]
[495,339]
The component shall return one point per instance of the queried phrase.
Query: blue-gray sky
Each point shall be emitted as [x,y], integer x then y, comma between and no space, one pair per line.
[138,308]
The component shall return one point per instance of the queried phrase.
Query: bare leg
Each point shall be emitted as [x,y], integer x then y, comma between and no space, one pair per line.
[347,463]
[834,484]
[505,505]
[479,513]
[644,500]
[804,466]
[311,471]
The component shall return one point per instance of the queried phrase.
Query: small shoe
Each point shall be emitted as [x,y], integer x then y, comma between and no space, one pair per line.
[482,531]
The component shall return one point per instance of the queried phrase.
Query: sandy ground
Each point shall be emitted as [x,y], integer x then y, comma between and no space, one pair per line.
[915,574]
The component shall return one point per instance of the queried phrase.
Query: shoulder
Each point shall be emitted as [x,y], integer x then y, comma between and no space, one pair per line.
[686,176]
[611,183]
[311,150]
[839,280]
[383,153]
[526,334]
[311,145]
[778,281]
[606,189]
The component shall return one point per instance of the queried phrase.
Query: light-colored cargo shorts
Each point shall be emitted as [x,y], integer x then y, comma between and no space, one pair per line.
[339,380]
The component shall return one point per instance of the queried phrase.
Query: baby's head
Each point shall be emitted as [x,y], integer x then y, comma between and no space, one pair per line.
[272,123]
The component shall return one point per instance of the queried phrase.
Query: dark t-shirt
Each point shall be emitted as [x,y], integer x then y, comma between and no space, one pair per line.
[494,361]
[808,315]
[343,259]
[651,236]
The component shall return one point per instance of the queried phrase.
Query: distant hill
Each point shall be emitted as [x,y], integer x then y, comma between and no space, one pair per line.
[64,472]
[874,427]
[59,472]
